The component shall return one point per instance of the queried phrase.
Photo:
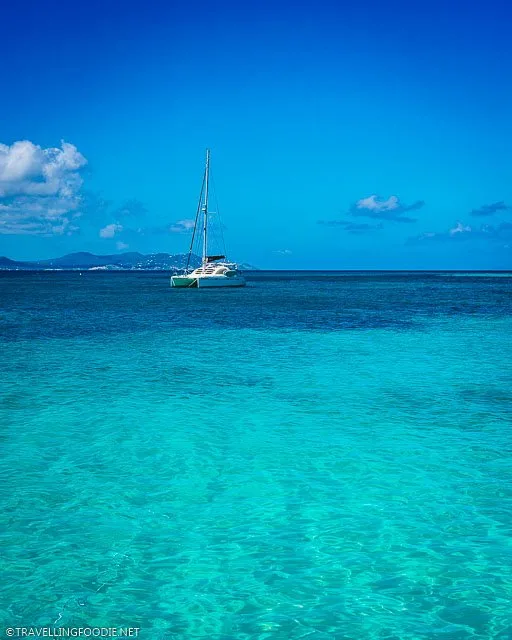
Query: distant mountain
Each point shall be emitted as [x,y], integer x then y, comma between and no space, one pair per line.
[131,261]
[7,263]
[84,260]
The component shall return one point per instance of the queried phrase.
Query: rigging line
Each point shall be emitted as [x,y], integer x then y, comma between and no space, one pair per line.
[218,214]
[195,221]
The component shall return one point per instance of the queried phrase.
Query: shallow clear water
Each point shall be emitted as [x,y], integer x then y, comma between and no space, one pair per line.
[320,457]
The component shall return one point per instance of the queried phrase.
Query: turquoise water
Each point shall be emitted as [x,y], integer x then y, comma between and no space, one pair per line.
[309,457]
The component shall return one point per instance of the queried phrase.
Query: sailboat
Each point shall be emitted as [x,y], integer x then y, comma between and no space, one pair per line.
[214,271]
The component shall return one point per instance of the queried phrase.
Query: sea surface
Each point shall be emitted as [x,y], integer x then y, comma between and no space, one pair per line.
[316,456]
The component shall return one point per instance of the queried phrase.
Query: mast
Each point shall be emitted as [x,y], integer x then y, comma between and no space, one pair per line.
[205,206]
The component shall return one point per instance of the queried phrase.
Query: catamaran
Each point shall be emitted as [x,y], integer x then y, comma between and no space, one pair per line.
[214,270]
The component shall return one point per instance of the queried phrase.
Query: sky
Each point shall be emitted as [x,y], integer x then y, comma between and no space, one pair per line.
[344,135]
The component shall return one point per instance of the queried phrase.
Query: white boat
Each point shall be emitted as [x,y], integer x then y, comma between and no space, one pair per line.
[214,271]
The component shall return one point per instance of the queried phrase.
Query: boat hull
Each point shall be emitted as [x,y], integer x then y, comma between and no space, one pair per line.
[207,282]
[183,281]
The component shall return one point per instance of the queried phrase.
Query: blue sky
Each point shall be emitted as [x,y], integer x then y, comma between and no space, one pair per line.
[343,135]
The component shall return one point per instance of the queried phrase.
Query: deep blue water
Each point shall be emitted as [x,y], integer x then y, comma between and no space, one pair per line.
[320,456]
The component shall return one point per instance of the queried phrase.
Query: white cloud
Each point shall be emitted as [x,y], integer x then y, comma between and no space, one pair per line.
[121,245]
[463,232]
[110,230]
[372,203]
[27,169]
[39,188]
[391,209]
[460,228]
[182,226]
[283,252]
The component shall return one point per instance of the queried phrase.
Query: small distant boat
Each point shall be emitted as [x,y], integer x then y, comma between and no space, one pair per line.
[214,271]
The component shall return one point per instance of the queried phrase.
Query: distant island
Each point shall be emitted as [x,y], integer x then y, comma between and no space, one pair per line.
[132,261]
